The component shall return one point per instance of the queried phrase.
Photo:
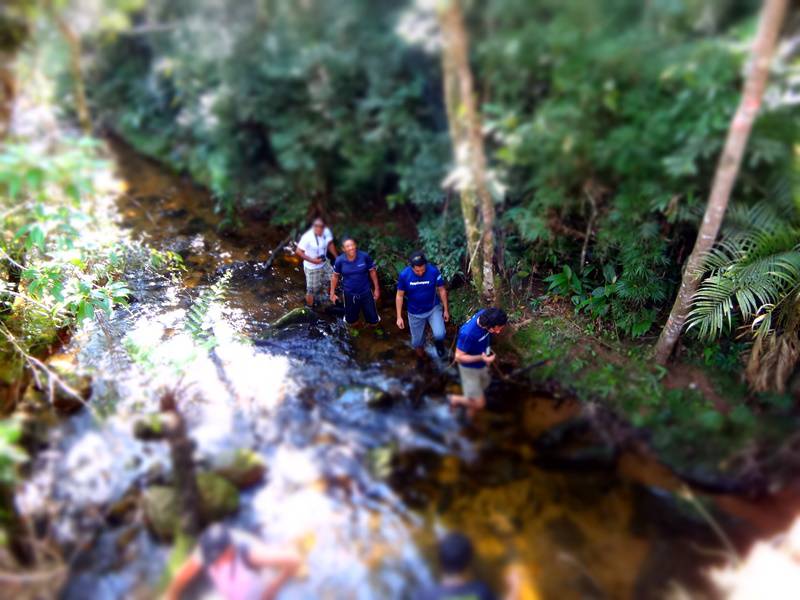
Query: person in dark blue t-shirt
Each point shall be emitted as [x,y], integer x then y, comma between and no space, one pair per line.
[473,355]
[422,286]
[356,268]
[455,558]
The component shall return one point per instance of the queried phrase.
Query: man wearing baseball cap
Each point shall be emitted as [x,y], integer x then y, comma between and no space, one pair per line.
[422,286]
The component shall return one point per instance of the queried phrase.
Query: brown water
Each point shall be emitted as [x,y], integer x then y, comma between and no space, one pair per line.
[363,492]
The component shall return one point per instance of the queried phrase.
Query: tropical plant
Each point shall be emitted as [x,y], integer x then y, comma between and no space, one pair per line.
[752,279]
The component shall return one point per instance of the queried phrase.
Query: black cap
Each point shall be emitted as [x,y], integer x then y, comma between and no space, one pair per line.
[418,260]
[455,553]
[213,543]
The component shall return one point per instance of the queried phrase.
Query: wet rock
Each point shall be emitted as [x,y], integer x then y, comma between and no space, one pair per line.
[154,427]
[373,397]
[296,315]
[161,513]
[122,510]
[218,497]
[243,468]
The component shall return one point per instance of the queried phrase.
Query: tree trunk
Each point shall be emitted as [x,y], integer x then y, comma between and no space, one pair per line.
[727,169]
[79,89]
[181,449]
[467,138]
[8,90]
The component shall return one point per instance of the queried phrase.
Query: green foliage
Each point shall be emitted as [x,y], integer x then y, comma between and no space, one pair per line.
[685,428]
[197,322]
[11,454]
[566,283]
[622,105]
[290,107]
[58,267]
[753,273]
[50,258]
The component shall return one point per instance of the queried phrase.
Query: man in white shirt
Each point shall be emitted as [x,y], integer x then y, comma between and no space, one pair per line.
[313,248]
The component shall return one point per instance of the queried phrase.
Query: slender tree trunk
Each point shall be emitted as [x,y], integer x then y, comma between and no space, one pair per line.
[8,89]
[79,89]
[764,44]
[468,149]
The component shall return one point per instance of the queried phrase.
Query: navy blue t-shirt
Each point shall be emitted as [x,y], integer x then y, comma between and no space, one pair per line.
[355,273]
[473,339]
[420,291]
[473,590]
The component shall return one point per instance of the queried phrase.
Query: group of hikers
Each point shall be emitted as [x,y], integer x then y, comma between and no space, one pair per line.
[240,567]
[421,286]
[236,563]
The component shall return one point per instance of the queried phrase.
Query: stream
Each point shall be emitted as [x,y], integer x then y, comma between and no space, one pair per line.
[364,491]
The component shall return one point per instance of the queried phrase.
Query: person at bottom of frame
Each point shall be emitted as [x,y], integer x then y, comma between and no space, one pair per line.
[235,563]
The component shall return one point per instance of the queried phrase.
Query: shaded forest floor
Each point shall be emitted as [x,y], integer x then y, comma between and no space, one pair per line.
[697,415]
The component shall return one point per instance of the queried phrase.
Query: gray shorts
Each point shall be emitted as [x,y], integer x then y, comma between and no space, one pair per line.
[318,280]
[474,381]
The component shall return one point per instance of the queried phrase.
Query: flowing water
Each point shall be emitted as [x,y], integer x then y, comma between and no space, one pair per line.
[362,491]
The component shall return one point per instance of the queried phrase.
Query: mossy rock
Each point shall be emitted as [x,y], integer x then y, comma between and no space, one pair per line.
[243,468]
[296,315]
[160,504]
[154,427]
[218,498]
[372,396]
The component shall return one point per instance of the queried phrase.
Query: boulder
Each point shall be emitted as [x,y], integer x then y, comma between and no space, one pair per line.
[156,426]
[372,396]
[243,468]
[161,513]
[218,497]
[296,315]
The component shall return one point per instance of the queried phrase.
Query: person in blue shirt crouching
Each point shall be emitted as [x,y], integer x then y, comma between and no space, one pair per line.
[421,284]
[474,355]
[356,269]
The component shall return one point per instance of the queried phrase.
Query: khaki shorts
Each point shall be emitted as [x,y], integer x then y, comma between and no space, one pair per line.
[318,281]
[474,381]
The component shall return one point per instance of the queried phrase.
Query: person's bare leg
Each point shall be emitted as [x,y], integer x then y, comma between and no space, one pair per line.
[310,300]
[456,399]
[420,352]
[475,405]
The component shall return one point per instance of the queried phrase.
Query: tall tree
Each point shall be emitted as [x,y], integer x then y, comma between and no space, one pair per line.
[477,205]
[769,28]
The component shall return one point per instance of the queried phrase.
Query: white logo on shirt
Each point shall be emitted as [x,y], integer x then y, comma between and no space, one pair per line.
[418,282]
